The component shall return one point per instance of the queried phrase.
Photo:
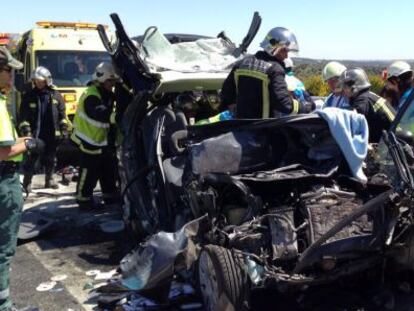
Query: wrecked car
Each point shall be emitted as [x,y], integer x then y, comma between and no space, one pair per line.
[290,202]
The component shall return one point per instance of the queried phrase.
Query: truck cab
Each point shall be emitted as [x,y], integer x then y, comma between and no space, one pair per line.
[70,51]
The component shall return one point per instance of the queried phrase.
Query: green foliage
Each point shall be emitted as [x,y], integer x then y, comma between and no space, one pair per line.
[310,74]
[376,83]
[316,86]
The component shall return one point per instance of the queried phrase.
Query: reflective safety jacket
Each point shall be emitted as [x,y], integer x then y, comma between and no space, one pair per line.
[257,86]
[377,111]
[8,134]
[91,130]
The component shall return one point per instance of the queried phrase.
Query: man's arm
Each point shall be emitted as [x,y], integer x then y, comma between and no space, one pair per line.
[6,152]
[361,105]
[96,110]
[61,107]
[24,114]
[279,96]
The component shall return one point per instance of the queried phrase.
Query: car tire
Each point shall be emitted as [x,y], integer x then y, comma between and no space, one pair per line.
[222,280]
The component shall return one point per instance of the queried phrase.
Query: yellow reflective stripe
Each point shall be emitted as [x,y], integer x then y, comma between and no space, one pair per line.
[88,151]
[91,140]
[214,119]
[112,118]
[295,108]
[83,115]
[6,127]
[82,179]
[78,142]
[32,105]
[250,73]
[24,123]
[266,101]
[265,87]
[381,103]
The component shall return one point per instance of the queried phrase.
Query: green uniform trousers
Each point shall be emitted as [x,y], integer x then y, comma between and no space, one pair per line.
[11,203]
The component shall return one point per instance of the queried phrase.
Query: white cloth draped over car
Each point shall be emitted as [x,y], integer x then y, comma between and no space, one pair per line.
[350,130]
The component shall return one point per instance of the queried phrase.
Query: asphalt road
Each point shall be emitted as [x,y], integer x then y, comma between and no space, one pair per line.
[73,245]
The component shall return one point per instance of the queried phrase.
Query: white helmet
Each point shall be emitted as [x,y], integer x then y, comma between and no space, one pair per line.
[104,71]
[332,70]
[398,68]
[42,73]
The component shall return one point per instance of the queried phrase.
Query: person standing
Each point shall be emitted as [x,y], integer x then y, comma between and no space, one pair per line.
[95,134]
[11,197]
[256,84]
[42,115]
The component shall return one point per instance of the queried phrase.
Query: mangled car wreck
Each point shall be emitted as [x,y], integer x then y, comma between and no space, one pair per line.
[278,203]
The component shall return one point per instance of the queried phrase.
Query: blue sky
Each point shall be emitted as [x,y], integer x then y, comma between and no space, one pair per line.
[347,29]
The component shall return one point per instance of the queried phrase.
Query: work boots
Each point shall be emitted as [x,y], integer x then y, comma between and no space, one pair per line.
[50,182]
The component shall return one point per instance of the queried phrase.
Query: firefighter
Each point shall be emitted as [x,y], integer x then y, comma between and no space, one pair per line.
[42,115]
[400,78]
[94,133]
[256,84]
[11,198]
[330,74]
[377,110]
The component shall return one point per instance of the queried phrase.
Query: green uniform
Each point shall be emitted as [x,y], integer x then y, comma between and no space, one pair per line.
[11,203]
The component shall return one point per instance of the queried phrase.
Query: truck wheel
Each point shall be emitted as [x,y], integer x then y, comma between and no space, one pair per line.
[222,279]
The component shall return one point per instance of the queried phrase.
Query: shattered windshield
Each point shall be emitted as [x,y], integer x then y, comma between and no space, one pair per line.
[210,55]
[71,68]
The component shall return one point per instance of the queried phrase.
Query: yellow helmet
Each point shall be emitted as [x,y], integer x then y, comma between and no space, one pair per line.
[332,70]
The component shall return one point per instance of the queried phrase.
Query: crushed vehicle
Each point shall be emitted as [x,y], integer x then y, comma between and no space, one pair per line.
[284,203]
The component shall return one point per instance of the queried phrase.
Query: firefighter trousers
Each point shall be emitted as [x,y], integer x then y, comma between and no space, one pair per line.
[98,167]
[47,159]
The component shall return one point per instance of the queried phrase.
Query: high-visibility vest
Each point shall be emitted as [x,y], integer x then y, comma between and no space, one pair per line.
[8,134]
[89,134]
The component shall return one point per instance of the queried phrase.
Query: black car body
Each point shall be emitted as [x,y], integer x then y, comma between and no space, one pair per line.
[277,218]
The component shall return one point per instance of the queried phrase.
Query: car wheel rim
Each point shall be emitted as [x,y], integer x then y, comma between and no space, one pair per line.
[208,282]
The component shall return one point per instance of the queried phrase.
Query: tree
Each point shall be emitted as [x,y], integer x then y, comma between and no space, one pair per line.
[376,83]
[316,86]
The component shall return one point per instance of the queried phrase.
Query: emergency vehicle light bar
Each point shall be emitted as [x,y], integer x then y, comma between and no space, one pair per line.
[46,24]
